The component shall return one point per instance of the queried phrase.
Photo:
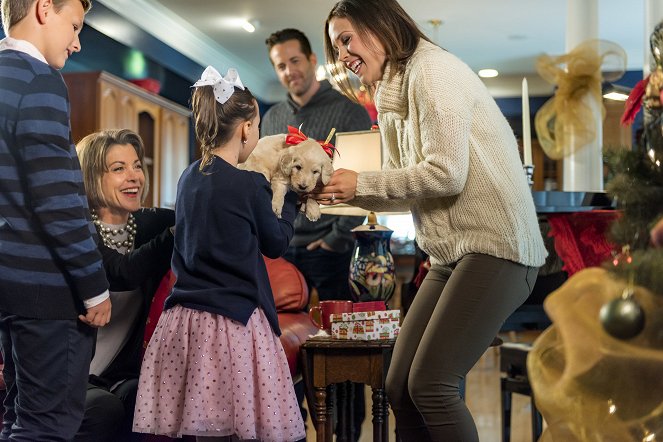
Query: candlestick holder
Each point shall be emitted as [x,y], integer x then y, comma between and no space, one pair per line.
[529,174]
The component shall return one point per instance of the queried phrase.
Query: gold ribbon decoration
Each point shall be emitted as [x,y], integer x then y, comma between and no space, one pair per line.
[566,122]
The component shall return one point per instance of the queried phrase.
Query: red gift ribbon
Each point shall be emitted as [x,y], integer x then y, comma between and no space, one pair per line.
[295,136]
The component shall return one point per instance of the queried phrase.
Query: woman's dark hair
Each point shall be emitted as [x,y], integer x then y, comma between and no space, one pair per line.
[387,21]
[215,122]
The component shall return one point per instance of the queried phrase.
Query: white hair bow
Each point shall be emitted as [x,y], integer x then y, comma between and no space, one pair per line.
[223,86]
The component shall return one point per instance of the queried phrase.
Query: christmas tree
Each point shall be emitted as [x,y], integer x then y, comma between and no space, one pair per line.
[637,187]
[596,372]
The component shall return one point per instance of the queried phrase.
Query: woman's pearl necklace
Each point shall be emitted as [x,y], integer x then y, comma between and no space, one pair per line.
[108,235]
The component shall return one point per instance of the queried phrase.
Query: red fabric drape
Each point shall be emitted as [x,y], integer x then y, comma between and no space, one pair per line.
[581,238]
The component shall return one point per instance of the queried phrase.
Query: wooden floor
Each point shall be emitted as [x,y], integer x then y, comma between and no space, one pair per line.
[483,400]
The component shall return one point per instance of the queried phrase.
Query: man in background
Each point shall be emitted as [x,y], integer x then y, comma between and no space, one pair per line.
[321,250]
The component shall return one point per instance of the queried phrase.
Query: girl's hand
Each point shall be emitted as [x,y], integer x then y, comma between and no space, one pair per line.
[340,189]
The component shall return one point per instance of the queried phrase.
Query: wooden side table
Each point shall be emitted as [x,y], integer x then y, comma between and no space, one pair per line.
[328,361]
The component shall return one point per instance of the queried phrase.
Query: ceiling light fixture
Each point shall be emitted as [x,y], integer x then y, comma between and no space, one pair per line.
[615,92]
[488,73]
[617,96]
[248,26]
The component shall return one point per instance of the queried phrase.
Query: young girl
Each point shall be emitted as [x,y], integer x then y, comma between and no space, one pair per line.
[215,367]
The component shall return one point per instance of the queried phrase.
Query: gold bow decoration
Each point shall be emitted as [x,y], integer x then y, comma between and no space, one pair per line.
[566,122]
[588,385]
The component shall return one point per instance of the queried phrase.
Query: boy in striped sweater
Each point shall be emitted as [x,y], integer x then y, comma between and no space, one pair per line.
[53,289]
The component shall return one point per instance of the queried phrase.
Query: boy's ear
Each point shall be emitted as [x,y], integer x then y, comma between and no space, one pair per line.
[44,8]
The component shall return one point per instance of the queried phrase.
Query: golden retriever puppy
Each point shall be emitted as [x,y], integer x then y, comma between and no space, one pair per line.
[299,167]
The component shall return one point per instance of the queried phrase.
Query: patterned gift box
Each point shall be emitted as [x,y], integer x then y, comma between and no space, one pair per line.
[366,326]
[365,316]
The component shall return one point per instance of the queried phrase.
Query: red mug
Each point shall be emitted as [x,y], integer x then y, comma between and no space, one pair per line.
[325,309]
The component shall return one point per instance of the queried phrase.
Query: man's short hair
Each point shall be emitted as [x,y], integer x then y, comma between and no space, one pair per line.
[289,34]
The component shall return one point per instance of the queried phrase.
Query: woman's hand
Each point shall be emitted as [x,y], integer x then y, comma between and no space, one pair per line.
[340,189]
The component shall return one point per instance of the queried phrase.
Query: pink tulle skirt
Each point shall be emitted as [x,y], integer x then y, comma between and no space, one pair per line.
[206,375]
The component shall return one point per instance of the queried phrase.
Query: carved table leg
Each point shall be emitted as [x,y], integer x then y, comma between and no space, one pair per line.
[385,420]
[379,420]
[321,413]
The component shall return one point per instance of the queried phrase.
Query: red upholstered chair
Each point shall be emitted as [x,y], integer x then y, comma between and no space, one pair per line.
[291,296]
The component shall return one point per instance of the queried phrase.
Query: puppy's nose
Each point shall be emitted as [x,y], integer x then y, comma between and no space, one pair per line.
[302,187]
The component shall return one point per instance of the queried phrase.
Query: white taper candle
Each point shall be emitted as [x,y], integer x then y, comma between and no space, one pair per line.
[527,133]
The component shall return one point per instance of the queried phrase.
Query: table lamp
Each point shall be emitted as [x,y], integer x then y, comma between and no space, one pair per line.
[360,151]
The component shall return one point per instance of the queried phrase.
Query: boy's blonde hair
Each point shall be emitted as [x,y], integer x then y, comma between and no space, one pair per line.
[13,11]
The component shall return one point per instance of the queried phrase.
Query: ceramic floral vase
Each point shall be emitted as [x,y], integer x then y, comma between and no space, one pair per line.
[372,275]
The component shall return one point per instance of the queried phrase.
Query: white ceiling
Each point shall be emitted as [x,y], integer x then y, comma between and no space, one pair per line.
[507,35]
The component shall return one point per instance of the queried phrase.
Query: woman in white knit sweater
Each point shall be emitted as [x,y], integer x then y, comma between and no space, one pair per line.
[452,160]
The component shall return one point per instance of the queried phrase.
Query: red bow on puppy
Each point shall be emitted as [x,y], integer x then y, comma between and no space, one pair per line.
[295,136]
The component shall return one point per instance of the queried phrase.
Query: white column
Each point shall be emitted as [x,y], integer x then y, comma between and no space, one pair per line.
[653,16]
[583,169]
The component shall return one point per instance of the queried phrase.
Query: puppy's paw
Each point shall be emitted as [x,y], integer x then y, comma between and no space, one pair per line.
[277,208]
[312,210]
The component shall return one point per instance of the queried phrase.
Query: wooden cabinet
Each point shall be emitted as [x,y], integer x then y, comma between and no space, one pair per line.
[173,157]
[100,101]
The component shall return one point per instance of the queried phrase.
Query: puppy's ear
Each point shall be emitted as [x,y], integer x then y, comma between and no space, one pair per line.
[282,143]
[285,162]
[327,171]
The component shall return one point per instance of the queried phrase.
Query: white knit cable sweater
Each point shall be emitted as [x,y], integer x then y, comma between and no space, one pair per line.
[452,159]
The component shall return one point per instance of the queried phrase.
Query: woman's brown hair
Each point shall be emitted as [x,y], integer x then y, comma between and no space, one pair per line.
[387,21]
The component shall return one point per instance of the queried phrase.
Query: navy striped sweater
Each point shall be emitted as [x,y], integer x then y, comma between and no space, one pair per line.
[49,261]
